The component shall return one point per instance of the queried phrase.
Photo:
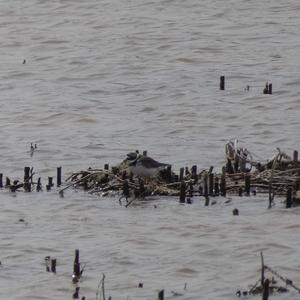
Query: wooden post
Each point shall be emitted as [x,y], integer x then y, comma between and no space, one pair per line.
[181,175]
[76,266]
[1,180]
[211,184]
[7,182]
[262,278]
[106,167]
[27,186]
[289,199]
[50,181]
[270,89]
[58,177]
[39,185]
[53,265]
[182,192]
[161,295]
[247,184]
[295,156]
[235,212]
[187,172]
[266,89]
[223,186]
[145,153]
[194,174]
[206,201]
[217,188]
[190,190]
[222,83]
[266,289]
[26,173]
[297,184]
[205,185]
[76,294]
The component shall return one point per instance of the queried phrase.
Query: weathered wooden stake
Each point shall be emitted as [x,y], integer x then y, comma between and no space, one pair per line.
[297,184]
[205,185]
[106,167]
[53,265]
[76,267]
[7,182]
[181,174]
[39,185]
[27,186]
[58,177]
[50,181]
[223,186]
[295,156]
[190,190]
[76,294]
[182,192]
[235,212]
[247,184]
[211,184]
[289,199]
[1,180]
[206,201]
[266,289]
[266,89]
[222,83]
[217,188]
[187,172]
[270,89]
[262,279]
[26,173]
[161,295]
[194,174]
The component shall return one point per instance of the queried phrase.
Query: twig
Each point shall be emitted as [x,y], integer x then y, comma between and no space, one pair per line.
[271,193]
[76,182]
[285,280]
[100,287]
[262,280]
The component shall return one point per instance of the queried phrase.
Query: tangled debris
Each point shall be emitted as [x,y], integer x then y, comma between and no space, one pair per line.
[265,286]
[242,175]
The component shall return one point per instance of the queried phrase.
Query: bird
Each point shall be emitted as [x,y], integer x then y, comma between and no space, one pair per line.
[144,166]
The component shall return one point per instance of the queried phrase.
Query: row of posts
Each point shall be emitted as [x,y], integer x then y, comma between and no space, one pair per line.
[28,176]
[267,90]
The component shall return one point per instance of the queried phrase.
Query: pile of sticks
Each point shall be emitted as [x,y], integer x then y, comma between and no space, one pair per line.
[242,175]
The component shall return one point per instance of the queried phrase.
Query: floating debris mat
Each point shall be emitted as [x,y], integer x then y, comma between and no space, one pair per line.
[140,176]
